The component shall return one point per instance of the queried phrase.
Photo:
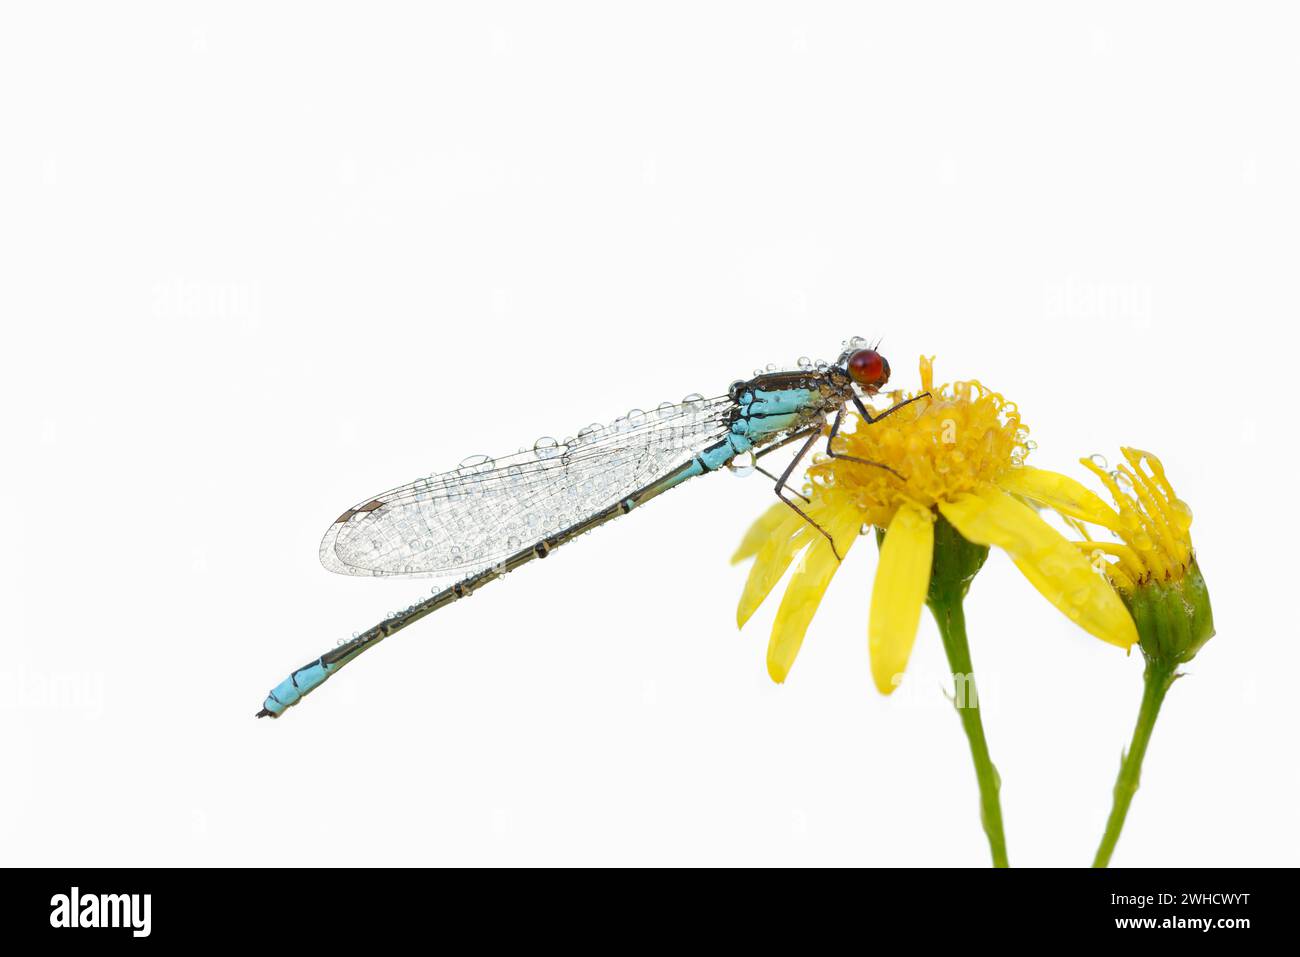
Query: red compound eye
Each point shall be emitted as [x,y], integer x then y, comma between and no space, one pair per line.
[867,368]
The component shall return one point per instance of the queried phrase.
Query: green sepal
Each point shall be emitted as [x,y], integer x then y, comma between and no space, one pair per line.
[1174,619]
[955,565]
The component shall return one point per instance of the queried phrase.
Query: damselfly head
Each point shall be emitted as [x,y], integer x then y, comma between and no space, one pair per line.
[866,367]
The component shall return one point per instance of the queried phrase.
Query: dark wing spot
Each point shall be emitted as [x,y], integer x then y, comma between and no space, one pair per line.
[368,507]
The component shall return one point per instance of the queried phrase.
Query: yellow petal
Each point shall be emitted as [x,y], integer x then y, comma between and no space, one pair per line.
[804,593]
[902,581]
[761,531]
[1059,492]
[1155,517]
[1175,514]
[1129,561]
[1052,563]
[1136,525]
[774,557]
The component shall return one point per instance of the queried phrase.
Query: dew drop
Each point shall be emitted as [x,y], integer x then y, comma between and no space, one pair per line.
[805,362]
[742,465]
[1099,460]
[546,447]
[1079,597]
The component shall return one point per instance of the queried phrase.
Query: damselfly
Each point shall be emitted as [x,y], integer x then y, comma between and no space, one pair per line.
[474,524]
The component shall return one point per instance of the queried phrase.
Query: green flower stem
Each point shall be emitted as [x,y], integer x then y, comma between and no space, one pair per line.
[952,627]
[956,563]
[1156,681]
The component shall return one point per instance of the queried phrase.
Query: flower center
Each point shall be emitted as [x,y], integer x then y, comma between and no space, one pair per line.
[958,440]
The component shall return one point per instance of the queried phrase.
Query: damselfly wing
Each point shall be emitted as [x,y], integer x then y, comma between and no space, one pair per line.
[450,525]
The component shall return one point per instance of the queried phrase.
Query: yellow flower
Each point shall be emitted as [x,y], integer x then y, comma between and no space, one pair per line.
[1153,565]
[957,454]
[1154,569]
[1153,523]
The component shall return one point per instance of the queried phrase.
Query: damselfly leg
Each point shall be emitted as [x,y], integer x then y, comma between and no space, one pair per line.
[870,420]
[866,414]
[835,430]
[813,435]
[797,436]
[762,471]
[810,436]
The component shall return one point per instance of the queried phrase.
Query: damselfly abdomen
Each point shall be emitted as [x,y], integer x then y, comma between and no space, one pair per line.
[474,524]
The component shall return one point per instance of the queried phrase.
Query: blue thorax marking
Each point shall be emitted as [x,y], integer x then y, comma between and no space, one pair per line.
[777,401]
[763,414]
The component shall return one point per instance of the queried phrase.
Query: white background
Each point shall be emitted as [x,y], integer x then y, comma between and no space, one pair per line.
[259,262]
